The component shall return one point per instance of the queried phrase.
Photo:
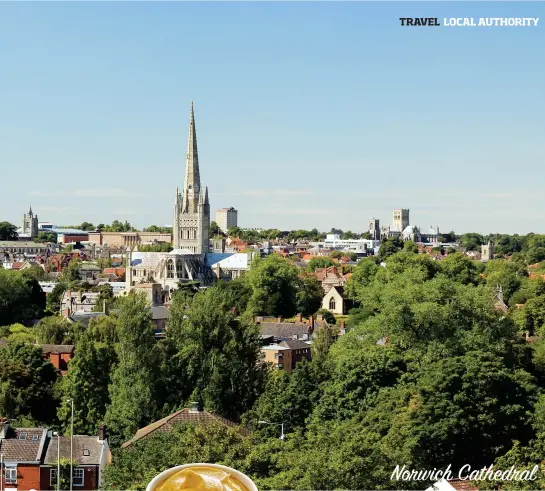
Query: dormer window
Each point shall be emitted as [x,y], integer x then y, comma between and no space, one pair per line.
[86,452]
[22,435]
[35,438]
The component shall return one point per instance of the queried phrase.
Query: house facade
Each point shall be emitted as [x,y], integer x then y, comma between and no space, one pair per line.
[91,454]
[23,451]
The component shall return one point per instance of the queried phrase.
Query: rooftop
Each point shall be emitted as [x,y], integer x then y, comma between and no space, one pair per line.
[182,416]
[87,450]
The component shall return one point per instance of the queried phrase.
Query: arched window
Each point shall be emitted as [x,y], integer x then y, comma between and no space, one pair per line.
[331,303]
[170,269]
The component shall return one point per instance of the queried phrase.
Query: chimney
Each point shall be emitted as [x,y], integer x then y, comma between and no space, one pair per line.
[299,317]
[101,433]
[311,320]
[105,307]
[195,407]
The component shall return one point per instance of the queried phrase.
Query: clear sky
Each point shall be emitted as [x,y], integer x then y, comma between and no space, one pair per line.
[307,114]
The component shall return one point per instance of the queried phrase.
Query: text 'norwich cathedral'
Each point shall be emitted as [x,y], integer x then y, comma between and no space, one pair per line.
[191,225]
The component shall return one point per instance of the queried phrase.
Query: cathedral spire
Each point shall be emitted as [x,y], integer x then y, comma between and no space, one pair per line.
[192,184]
[206,202]
[30,210]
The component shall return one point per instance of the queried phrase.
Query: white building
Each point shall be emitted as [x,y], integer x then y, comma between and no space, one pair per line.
[334,241]
[226,218]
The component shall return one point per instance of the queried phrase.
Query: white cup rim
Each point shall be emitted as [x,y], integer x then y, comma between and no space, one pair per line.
[243,478]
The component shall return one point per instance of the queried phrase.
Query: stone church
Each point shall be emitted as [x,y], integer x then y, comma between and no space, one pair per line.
[191,225]
[29,231]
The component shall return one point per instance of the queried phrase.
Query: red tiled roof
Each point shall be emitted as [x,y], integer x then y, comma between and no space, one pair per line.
[116,271]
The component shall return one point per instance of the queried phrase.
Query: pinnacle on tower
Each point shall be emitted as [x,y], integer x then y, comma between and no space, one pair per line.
[206,202]
[30,210]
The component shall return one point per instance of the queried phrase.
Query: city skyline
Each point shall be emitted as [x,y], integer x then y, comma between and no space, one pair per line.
[309,115]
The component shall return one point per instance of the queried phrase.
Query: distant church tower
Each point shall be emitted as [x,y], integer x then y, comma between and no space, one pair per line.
[30,224]
[191,225]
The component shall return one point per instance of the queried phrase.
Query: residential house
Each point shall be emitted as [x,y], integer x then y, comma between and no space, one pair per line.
[75,301]
[160,317]
[193,415]
[89,271]
[91,454]
[23,451]
[114,274]
[59,355]
[336,301]
[330,277]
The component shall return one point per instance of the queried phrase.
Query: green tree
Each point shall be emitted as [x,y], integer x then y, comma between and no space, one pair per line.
[8,231]
[410,246]
[21,298]
[86,383]
[134,380]
[309,294]
[274,281]
[56,330]
[218,359]
[471,241]
[215,230]
[87,226]
[320,262]
[54,299]
[105,297]
[71,273]
[460,268]
[46,237]
[134,467]
[27,383]
[389,247]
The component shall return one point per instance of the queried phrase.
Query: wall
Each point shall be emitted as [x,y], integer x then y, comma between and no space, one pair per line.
[90,478]
[28,477]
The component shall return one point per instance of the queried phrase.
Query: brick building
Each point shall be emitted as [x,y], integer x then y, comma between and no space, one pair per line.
[23,451]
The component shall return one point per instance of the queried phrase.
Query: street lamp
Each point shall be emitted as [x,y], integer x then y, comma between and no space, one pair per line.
[282,436]
[56,433]
[71,442]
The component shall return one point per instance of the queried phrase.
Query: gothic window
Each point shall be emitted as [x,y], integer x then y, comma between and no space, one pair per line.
[331,303]
[170,269]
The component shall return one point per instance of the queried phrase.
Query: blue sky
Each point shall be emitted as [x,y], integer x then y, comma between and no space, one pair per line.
[307,114]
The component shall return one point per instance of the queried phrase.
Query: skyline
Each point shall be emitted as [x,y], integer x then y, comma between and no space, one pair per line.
[308,115]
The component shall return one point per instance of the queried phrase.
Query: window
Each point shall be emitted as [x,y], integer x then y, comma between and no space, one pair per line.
[77,477]
[53,476]
[22,435]
[11,475]
[280,365]
[35,438]
[86,452]
[332,304]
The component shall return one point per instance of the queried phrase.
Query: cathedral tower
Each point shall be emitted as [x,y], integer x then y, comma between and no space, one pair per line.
[191,225]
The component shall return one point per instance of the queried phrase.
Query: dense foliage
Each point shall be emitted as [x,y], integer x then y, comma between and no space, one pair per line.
[443,363]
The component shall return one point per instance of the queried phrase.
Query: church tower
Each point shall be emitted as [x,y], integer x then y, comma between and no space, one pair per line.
[191,225]
[30,224]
